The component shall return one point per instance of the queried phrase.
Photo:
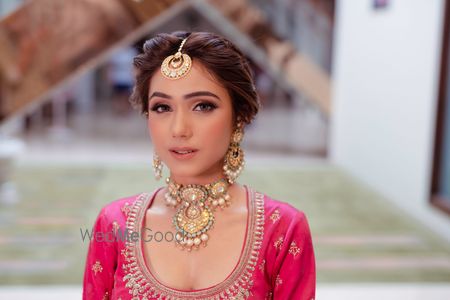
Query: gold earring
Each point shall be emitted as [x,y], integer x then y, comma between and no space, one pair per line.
[234,158]
[157,166]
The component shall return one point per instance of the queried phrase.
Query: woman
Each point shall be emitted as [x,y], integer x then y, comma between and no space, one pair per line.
[202,236]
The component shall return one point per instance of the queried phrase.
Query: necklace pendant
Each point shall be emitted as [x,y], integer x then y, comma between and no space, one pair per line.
[194,218]
[192,223]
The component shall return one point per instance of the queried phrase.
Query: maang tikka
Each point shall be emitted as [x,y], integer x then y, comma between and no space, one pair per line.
[177,65]
[196,203]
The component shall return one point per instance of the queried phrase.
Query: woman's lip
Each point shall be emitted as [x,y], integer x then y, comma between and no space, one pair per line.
[182,156]
[182,149]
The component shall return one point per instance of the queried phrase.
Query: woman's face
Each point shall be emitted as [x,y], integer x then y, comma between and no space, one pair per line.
[190,124]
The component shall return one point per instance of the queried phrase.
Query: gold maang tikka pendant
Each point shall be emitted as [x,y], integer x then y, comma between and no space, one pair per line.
[177,65]
[195,207]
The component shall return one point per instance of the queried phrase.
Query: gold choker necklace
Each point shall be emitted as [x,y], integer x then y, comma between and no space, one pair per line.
[195,205]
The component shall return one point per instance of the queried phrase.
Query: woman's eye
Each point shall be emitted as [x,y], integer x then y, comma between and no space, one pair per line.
[205,106]
[160,108]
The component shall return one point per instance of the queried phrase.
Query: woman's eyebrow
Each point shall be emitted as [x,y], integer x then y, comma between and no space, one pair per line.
[159,94]
[187,96]
[201,93]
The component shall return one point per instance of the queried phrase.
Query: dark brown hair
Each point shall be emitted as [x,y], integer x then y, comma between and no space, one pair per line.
[226,63]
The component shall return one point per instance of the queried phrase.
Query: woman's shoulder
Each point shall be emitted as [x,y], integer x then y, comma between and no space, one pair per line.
[280,212]
[121,207]
[284,222]
[272,204]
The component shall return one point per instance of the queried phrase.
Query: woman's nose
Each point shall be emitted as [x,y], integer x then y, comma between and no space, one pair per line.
[180,125]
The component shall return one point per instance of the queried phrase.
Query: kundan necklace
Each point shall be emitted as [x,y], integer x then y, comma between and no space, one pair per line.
[195,206]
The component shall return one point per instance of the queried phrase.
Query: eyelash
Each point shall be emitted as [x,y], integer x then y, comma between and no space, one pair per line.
[210,107]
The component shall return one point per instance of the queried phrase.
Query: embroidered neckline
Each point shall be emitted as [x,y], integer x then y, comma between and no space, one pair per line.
[140,252]
[142,284]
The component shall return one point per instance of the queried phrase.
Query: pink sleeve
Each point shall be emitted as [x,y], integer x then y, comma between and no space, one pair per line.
[295,269]
[101,260]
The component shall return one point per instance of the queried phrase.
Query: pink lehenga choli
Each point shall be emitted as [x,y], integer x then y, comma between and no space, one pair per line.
[276,262]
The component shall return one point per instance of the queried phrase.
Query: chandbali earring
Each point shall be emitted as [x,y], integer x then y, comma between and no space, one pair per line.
[157,166]
[234,158]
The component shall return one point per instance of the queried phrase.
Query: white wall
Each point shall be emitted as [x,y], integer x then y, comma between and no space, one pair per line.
[386,77]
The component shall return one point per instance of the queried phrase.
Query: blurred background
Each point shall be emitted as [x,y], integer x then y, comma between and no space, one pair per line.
[354,131]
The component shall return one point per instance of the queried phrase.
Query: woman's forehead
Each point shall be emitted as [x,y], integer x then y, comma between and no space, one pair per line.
[198,78]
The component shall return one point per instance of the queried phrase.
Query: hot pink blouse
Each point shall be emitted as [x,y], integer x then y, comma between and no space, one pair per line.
[277,258]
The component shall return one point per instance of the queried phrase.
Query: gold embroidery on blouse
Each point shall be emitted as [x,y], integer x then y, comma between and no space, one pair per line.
[275,216]
[126,209]
[97,267]
[278,280]
[278,243]
[294,250]
[123,252]
[116,227]
[243,293]
[143,285]
[269,295]
[261,265]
